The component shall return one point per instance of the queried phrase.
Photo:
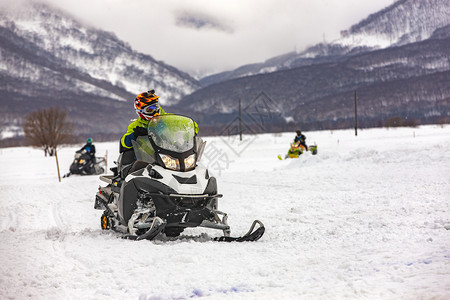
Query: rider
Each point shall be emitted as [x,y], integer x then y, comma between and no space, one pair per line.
[300,138]
[90,149]
[146,106]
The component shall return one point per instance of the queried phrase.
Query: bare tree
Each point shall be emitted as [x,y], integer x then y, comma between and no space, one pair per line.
[47,129]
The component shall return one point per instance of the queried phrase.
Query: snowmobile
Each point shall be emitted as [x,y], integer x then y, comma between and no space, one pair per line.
[159,188]
[83,165]
[297,149]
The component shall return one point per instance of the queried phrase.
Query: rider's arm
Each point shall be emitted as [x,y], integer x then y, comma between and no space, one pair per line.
[126,139]
[196,127]
[303,142]
[82,148]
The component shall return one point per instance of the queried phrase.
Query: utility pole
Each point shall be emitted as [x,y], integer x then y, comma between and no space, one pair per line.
[240,121]
[356,117]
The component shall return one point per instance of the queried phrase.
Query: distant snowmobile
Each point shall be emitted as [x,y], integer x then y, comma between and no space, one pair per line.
[164,190]
[83,165]
[297,149]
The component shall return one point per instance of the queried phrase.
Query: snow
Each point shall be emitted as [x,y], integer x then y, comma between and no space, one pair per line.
[76,44]
[365,39]
[11,131]
[365,218]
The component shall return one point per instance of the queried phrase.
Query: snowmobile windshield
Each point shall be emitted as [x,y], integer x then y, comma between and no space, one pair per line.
[143,149]
[172,132]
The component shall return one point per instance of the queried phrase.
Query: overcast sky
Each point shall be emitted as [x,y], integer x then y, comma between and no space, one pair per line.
[209,36]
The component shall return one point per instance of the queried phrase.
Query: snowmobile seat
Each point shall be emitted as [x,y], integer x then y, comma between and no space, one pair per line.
[126,161]
[128,157]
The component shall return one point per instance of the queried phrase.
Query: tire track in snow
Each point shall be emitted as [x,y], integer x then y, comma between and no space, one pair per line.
[8,222]
[54,214]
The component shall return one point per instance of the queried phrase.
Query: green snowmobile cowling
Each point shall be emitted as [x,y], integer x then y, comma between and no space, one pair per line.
[296,150]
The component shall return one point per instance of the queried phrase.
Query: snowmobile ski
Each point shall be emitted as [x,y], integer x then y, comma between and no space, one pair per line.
[251,236]
[158,226]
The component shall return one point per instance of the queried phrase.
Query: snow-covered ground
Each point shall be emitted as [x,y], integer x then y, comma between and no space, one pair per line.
[366,218]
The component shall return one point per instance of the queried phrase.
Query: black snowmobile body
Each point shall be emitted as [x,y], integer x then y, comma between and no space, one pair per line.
[178,210]
[84,165]
[164,190]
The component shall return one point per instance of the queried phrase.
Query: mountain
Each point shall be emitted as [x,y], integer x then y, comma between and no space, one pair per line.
[48,58]
[403,22]
[409,78]
[396,60]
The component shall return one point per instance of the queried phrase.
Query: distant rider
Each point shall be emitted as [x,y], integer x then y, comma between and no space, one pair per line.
[90,149]
[301,139]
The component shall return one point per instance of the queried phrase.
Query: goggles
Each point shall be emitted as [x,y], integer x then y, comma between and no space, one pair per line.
[150,109]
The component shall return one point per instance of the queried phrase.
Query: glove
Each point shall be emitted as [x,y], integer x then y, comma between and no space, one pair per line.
[139,131]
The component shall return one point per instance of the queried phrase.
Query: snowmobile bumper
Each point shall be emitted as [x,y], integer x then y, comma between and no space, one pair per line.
[184,210]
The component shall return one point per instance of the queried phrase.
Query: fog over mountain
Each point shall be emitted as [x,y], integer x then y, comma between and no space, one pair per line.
[403,22]
[397,60]
[203,37]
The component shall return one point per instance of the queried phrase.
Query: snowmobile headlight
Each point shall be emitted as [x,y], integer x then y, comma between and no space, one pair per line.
[189,162]
[170,162]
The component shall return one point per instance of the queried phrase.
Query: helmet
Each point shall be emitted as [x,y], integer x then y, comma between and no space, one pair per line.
[146,105]
[299,132]
[89,140]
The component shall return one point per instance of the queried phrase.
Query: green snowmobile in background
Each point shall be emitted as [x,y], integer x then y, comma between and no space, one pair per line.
[297,149]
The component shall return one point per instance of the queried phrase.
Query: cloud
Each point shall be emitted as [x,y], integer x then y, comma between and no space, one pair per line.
[203,36]
[201,21]
[11,5]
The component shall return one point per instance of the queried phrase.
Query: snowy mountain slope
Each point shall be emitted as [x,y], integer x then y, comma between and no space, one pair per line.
[100,54]
[48,58]
[366,218]
[403,22]
[409,81]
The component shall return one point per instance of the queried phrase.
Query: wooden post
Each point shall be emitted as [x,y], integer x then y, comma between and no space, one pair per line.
[356,117]
[106,161]
[240,121]
[57,164]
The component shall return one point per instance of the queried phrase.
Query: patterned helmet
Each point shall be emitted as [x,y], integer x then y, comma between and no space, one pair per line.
[89,140]
[146,105]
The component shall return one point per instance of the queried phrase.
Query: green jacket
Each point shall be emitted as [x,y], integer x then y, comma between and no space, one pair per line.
[126,139]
